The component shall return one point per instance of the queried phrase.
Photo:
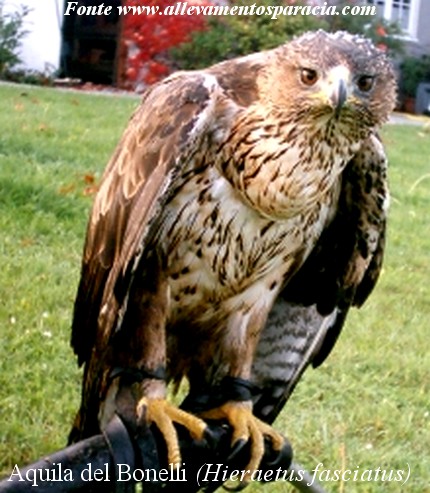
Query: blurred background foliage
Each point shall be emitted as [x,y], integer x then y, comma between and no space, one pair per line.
[12,30]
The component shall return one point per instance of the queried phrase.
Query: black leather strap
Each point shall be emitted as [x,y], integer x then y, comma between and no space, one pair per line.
[229,389]
[238,389]
[136,375]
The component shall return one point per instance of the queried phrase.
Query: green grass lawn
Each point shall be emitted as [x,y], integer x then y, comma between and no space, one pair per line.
[368,407]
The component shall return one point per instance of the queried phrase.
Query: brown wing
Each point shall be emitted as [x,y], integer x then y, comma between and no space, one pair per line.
[172,119]
[341,272]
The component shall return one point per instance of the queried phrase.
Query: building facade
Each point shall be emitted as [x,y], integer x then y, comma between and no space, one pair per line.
[41,47]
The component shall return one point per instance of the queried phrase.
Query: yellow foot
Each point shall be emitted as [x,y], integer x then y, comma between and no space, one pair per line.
[163,415]
[247,427]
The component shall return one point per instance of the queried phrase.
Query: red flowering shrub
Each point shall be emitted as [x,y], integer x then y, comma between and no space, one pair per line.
[146,38]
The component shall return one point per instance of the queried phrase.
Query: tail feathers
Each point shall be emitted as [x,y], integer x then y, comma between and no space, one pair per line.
[294,337]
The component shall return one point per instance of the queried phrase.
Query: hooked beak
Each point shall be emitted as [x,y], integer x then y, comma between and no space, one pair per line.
[339,96]
[334,90]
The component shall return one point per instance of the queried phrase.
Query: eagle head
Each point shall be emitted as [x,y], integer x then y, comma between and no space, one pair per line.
[333,75]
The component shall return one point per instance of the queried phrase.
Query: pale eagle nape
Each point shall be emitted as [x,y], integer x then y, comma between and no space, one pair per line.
[241,215]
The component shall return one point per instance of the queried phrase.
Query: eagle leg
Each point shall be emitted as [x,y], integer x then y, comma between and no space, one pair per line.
[141,360]
[163,414]
[246,427]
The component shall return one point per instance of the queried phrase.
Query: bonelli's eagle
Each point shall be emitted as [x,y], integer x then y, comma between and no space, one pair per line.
[240,217]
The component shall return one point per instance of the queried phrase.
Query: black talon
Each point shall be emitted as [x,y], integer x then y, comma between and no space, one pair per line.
[237,452]
[211,437]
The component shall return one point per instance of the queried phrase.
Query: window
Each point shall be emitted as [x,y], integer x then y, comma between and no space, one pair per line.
[404,12]
[401,11]
[380,6]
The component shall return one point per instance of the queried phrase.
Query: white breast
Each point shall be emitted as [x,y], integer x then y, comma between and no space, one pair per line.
[221,258]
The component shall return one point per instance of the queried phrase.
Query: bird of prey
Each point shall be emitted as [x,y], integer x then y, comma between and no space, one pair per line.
[240,217]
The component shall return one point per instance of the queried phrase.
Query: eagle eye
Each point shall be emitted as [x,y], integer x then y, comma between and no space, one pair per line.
[365,83]
[308,76]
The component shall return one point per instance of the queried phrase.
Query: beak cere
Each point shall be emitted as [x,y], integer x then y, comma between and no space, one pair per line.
[339,96]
